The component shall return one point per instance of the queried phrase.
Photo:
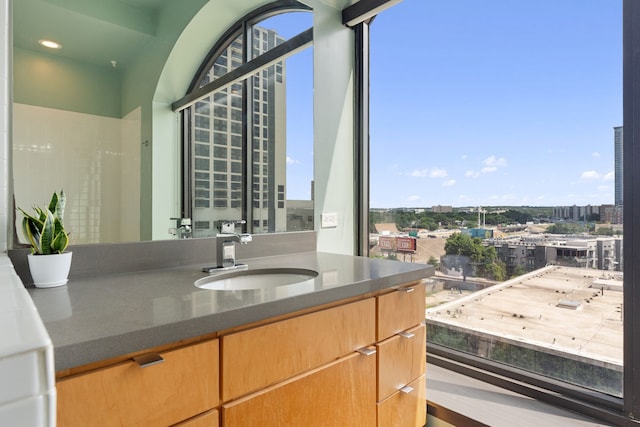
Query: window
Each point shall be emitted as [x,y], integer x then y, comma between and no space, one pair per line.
[273,115]
[488,189]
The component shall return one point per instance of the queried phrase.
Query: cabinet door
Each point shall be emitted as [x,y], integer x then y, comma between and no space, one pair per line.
[259,357]
[400,310]
[405,408]
[401,360]
[126,394]
[338,394]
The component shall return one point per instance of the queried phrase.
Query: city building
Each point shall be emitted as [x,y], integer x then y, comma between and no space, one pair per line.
[442,209]
[526,319]
[602,253]
[617,144]
[217,144]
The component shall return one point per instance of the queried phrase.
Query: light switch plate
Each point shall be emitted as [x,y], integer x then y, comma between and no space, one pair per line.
[329,220]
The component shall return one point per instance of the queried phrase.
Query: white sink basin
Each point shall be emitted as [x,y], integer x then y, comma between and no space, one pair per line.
[262,278]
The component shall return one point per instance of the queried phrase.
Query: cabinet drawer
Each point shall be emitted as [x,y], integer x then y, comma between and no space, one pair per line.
[401,360]
[341,393]
[183,385]
[268,354]
[405,409]
[400,310]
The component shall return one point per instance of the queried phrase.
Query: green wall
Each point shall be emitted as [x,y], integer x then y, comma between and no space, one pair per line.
[52,82]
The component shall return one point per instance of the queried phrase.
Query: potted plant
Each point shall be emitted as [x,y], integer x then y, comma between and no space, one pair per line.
[48,262]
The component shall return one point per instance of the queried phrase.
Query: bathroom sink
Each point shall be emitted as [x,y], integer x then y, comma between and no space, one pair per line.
[261,278]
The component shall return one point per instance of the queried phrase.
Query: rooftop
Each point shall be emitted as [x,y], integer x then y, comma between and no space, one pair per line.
[569,310]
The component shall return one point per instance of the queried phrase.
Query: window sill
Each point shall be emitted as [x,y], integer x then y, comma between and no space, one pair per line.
[453,398]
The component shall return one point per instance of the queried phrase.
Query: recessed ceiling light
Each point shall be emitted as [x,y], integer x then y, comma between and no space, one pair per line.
[50,44]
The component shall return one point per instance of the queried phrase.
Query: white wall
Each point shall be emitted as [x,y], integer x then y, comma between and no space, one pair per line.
[96,185]
[5,122]
[130,140]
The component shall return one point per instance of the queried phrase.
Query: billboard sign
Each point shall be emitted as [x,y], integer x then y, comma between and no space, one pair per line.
[405,244]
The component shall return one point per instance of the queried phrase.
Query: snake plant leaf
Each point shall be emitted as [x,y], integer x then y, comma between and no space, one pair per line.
[47,234]
[45,230]
[60,238]
[57,204]
[32,233]
[54,202]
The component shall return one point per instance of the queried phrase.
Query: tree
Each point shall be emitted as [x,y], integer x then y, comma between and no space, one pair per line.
[518,271]
[461,244]
[565,228]
[496,270]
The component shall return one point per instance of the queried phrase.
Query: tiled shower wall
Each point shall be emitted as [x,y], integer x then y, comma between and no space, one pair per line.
[5,120]
[95,159]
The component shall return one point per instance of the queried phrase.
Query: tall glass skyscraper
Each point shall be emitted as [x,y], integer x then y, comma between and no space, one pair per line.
[219,157]
[617,141]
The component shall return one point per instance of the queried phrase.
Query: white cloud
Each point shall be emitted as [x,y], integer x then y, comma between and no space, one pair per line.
[438,173]
[590,175]
[431,173]
[449,183]
[603,188]
[491,165]
[609,176]
[595,154]
[420,173]
[291,161]
[493,161]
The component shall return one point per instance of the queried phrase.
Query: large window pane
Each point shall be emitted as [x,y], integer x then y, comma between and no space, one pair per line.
[495,153]
[272,111]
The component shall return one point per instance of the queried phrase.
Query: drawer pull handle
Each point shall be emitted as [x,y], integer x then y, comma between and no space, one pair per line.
[367,351]
[405,334]
[149,359]
[406,290]
[406,389]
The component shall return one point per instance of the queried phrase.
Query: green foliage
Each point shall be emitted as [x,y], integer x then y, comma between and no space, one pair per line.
[518,271]
[45,230]
[566,228]
[604,231]
[496,270]
[407,218]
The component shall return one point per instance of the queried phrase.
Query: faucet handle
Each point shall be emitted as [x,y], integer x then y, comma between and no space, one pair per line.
[182,221]
[229,225]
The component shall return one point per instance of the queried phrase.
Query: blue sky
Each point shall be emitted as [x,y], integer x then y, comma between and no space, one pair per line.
[498,102]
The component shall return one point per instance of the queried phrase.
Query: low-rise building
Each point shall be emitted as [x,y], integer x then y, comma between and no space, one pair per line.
[602,253]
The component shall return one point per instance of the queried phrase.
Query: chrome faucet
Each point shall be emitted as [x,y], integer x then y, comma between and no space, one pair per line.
[225,245]
[182,229]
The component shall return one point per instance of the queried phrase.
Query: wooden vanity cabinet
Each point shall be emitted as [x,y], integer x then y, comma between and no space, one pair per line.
[406,407]
[180,387]
[400,310]
[401,360]
[341,393]
[359,364]
[401,356]
[265,355]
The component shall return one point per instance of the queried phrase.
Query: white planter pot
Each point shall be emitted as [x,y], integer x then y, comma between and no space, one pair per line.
[48,271]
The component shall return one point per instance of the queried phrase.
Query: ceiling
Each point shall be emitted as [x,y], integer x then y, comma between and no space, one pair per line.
[94,32]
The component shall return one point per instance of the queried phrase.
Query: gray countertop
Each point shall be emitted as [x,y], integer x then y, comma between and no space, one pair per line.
[95,318]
